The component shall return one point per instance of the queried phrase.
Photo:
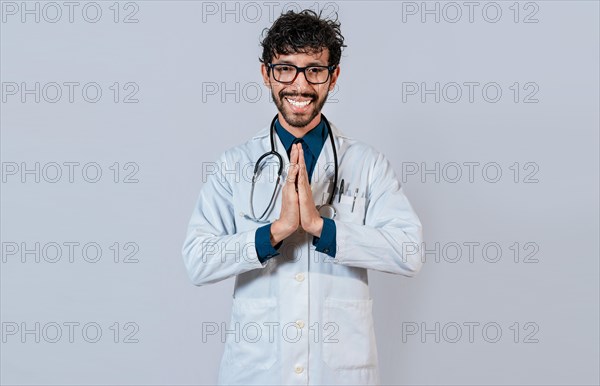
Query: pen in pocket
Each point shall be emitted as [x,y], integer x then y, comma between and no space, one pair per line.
[354,200]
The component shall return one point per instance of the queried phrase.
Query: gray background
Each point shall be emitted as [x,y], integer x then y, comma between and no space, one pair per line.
[174,53]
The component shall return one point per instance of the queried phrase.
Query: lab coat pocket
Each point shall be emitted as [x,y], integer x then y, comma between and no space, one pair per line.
[350,210]
[248,339]
[354,344]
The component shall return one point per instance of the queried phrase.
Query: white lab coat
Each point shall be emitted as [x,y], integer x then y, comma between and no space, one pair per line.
[303,317]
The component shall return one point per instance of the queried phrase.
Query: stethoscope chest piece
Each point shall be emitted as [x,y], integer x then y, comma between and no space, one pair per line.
[327,211]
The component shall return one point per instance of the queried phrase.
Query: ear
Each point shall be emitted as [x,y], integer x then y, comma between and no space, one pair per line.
[265,76]
[334,77]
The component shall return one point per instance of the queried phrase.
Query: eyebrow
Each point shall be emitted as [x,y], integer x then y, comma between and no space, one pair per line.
[308,65]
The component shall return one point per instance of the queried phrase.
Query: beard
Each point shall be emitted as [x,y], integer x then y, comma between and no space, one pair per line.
[295,119]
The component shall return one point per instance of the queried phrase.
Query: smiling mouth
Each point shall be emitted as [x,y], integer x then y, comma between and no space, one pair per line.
[298,103]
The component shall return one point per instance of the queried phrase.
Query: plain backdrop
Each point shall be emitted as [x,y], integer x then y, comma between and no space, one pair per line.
[488,112]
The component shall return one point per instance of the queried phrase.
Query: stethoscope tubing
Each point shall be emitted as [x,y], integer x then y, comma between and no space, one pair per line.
[280,169]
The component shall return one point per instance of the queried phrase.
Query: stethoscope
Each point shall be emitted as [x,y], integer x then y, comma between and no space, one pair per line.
[326,210]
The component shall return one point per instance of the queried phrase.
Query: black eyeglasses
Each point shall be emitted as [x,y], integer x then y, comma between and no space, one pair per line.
[287,73]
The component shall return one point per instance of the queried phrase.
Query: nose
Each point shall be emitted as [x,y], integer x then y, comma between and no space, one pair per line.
[300,82]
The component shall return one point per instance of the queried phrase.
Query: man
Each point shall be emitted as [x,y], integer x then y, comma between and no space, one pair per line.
[302,312]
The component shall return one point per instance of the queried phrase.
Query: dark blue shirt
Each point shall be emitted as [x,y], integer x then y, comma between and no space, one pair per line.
[312,143]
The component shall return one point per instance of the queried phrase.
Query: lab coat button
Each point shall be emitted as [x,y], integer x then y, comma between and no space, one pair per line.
[300,324]
[299,277]
[299,369]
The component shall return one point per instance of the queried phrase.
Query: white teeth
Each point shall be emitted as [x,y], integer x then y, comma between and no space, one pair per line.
[298,104]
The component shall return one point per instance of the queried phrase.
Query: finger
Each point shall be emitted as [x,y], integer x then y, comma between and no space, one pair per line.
[299,168]
[294,154]
[301,155]
[293,166]
[303,175]
[292,175]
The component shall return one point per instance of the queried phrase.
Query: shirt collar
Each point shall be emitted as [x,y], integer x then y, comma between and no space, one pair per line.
[314,138]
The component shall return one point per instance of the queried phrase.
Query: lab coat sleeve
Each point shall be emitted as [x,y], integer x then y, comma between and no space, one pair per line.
[391,238]
[212,250]
[326,243]
[264,249]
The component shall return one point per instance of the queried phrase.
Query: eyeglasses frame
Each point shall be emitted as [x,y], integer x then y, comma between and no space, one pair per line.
[330,69]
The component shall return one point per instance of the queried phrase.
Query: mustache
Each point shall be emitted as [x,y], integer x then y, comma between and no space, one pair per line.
[295,94]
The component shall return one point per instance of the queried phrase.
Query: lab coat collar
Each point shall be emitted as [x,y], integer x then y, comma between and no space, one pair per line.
[324,170]
[264,132]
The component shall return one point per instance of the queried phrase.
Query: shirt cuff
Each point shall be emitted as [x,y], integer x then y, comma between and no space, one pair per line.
[262,243]
[326,243]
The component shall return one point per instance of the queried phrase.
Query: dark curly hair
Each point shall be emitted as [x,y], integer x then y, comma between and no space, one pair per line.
[303,32]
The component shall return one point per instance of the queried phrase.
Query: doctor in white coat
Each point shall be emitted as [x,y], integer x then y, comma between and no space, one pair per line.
[302,311]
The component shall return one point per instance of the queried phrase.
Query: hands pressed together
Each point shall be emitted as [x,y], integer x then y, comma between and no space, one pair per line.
[297,207]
